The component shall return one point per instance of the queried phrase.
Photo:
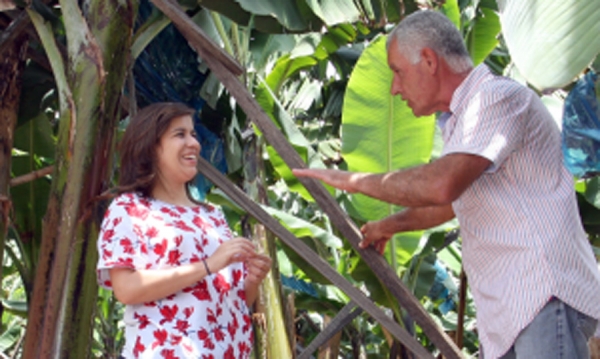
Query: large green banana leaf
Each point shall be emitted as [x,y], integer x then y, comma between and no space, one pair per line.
[282,16]
[335,11]
[551,42]
[381,134]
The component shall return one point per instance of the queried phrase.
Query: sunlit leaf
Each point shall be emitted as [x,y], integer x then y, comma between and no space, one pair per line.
[17,307]
[334,11]
[263,47]
[451,10]
[302,228]
[551,42]
[483,37]
[285,11]
[286,67]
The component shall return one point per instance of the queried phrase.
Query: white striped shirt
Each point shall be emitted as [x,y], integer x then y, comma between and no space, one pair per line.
[522,237]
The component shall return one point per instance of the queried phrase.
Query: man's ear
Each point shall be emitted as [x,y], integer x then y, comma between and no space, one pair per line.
[431,59]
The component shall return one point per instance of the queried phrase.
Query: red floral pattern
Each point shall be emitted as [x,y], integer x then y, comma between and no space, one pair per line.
[207,320]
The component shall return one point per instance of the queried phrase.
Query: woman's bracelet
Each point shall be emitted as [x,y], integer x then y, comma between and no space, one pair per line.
[206,267]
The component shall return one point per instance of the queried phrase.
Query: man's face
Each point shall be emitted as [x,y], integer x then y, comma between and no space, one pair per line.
[412,82]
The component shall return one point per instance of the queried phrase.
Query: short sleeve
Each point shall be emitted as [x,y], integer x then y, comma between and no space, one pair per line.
[492,125]
[120,243]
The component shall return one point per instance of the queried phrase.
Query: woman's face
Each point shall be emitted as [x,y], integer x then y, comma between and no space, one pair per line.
[177,152]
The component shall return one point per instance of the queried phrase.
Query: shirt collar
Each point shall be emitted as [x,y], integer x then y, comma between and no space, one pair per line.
[463,91]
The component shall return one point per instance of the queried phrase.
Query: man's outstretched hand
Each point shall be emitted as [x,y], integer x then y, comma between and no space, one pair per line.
[339,179]
[373,233]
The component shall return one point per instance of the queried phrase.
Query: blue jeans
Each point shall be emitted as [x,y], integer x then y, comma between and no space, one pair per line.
[558,331]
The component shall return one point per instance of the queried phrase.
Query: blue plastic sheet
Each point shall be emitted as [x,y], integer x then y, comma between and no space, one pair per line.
[581,128]
[299,285]
[443,288]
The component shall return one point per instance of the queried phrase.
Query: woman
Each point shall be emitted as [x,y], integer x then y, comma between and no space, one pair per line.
[172,261]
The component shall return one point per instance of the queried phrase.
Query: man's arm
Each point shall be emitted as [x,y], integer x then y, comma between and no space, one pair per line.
[378,233]
[435,184]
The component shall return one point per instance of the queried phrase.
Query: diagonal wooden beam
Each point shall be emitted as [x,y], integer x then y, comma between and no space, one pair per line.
[358,297]
[344,317]
[208,51]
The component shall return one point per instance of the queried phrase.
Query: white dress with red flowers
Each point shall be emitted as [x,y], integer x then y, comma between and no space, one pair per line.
[207,320]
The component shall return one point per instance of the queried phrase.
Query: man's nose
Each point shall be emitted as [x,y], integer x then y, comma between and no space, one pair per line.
[396,88]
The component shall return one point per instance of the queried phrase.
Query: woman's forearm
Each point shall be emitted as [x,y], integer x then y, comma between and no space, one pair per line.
[140,286]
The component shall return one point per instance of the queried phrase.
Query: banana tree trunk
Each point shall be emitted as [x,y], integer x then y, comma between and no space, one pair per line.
[64,295]
[12,61]
[270,316]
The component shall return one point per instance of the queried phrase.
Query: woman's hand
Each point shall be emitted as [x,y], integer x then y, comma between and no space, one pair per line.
[257,267]
[238,249]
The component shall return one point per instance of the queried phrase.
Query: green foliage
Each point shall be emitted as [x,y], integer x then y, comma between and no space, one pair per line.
[306,52]
[482,38]
[274,16]
[109,335]
[14,297]
[319,240]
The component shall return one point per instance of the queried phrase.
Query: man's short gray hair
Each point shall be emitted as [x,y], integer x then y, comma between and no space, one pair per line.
[434,30]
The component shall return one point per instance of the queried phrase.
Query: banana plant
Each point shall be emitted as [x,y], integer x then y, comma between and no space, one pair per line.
[89,85]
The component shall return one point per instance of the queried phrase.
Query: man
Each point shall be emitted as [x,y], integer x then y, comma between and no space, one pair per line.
[532,272]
